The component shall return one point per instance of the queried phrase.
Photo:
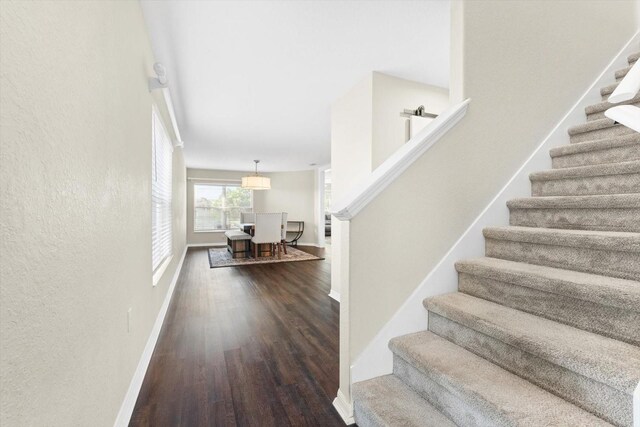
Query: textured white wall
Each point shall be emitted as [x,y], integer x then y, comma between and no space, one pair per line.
[292,192]
[351,139]
[524,65]
[75,212]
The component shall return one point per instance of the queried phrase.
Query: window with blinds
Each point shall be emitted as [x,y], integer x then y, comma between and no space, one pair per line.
[162,160]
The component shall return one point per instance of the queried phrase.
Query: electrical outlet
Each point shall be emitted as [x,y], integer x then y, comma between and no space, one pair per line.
[129,320]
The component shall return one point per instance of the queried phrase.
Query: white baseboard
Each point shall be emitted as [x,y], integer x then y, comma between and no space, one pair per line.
[344,408]
[376,359]
[335,295]
[129,402]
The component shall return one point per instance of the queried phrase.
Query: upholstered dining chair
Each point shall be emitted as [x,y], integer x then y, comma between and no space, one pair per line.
[284,231]
[247,218]
[268,229]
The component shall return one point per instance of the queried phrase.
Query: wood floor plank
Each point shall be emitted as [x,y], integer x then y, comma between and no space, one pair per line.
[255,345]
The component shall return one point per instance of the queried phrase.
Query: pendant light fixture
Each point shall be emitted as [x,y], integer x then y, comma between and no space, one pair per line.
[256,182]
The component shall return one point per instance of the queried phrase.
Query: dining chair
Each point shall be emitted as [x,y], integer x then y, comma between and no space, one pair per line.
[268,229]
[284,232]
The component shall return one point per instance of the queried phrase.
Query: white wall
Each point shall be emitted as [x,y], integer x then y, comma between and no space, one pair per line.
[294,193]
[391,95]
[291,192]
[351,139]
[366,128]
[75,181]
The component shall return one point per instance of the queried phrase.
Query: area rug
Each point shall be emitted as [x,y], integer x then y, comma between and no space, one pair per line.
[220,257]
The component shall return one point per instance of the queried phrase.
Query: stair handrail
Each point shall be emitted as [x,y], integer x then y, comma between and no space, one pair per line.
[628,87]
[626,115]
[366,190]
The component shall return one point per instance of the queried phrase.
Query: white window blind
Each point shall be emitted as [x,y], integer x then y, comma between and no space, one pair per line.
[162,160]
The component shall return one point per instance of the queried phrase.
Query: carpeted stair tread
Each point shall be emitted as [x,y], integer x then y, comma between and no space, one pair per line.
[597,145]
[609,150]
[597,111]
[608,90]
[620,168]
[619,75]
[387,401]
[600,399]
[598,201]
[592,126]
[623,177]
[598,304]
[587,239]
[594,288]
[602,114]
[499,397]
[631,59]
[608,253]
[602,178]
[597,129]
[602,359]
[604,212]
[605,105]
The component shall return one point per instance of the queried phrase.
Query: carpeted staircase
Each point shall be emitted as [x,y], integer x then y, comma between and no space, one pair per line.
[545,329]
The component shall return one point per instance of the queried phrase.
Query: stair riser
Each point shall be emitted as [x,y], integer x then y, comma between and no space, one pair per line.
[600,114]
[606,91]
[610,155]
[587,185]
[627,219]
[387,401]
[620,74]
[598,398]
[604,262]
[387,411]
[593,135]
[461,409]
[614,322]
[364,416]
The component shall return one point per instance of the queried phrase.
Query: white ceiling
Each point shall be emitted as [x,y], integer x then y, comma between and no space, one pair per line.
[256,79]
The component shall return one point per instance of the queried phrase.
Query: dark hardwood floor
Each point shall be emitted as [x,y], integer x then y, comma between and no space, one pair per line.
[248,346]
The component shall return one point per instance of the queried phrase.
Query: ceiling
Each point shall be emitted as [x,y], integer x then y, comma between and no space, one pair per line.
[256,79]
